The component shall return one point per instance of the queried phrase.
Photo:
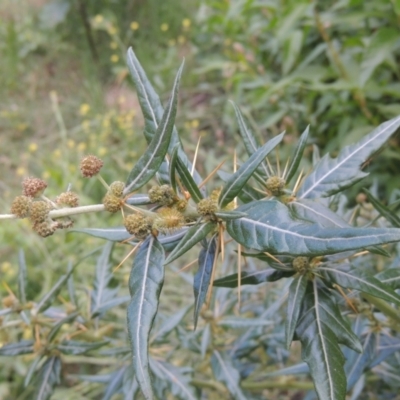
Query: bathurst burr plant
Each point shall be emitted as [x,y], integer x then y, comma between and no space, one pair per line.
[287,220]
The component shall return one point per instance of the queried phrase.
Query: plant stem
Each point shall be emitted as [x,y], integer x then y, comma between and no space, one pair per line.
[383,306]
[64,212]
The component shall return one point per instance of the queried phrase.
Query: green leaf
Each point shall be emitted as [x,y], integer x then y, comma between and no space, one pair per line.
[270,226]
[15,349]
[297,291]
[47,378]
[48,298]
[22,276]
[151,107]
[229,215]
[320,350]
[32,369]
[360,280]
[102,292]
[55,329]
[235,183]
[298,154]
[252,278]
[145,284]
[201,280]
[188,181]
[179,383]
[172,168]
[138,199]
[249,140]
[225,372]
[383,210]
[247,194]
[332,175]
[390,277]
[331,314]
[151,160]
[114,384]
[77,347]
[193,236]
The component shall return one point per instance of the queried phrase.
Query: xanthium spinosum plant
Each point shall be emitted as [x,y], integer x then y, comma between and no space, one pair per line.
[289,221]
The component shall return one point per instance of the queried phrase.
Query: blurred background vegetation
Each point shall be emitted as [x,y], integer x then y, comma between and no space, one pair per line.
[65,91]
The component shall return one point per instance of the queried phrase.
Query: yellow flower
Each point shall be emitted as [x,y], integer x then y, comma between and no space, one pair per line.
[114,58]
[33,147]
[186,23]
[98,19]
[134,26]
[102,151]
[195,123]
[82,147]
[21,171]
[112,30]
[113,45]
[181,39]
[84,109]
[57,153]
[71,144]
[171,42]
[164,27]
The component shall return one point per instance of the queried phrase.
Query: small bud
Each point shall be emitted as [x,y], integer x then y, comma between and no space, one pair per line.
[117,188]
[111,203]
[90,166]
[207,206]
[361,198]
[138,225]
[39,211]
[45,228]
[168,219]
[300,264]
[163,195]
[21,206]
[181,205]
[33,187]
[67,199]
[275,185]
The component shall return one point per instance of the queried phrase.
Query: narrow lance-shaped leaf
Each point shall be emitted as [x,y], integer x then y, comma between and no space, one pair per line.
[151,160]
[145,284]
[298,154]
[242,175]
[201,281]
[55,329]
[193,236]
[188,181]
[101,292]
[22,276]
[320,349]
[76,347]
[172,168]
[383,210]
[48,377]
[332,175]
[270,226]
[252,278]
[225,372]
[390,277]
[15,349]
[48,298]
[359,280]
[151,107]
[249,140]
[179,383]
[297,291]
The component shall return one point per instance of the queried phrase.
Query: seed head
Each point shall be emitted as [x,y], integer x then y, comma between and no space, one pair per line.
[111,203]
[45,228]
[163,195]
[65,223]
[275,185]
[300,264]
[39,211]
[68,199]
[117,188]
[90,166]
[138,225]
[207,206]
[181,205]
[168,219]
[33,187]
[21,206]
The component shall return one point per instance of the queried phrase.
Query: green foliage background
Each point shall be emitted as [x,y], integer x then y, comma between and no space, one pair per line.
[65,91]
